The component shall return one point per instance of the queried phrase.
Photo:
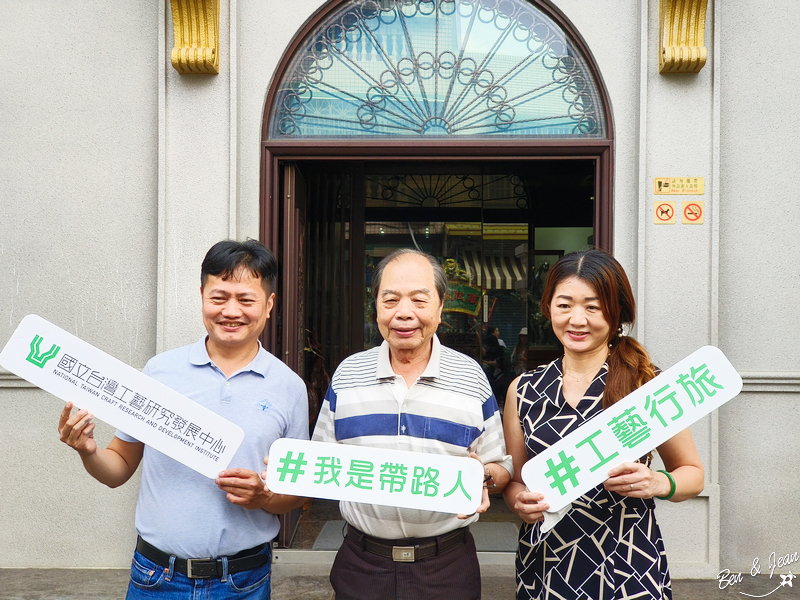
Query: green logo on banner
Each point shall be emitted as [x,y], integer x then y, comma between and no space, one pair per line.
[36,357]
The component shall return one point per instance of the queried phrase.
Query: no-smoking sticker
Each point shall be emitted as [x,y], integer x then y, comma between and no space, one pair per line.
[693,213]
[664,212]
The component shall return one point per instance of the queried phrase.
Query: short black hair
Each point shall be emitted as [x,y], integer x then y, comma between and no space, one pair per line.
[224,258]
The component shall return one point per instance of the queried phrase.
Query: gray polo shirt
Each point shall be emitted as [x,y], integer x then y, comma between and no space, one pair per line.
[184,513]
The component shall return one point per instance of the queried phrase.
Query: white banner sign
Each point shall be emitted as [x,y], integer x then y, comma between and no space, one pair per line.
[75,371]
[629,429]
[432,482]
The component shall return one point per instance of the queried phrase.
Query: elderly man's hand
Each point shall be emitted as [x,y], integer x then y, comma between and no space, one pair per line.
[484,506]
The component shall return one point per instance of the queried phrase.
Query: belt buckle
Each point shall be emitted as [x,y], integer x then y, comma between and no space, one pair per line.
[403,553]
[201,568]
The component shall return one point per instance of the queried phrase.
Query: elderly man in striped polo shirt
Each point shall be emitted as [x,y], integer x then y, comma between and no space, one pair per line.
[411,393]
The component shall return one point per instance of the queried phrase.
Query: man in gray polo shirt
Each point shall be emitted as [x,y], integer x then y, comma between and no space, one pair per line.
[182,515]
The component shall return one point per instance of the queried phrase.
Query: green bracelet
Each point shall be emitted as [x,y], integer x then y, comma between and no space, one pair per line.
[671,486]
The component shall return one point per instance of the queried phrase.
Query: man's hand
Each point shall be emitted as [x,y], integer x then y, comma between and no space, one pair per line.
[485,502]
[244,488]
[77,431]
[113,465]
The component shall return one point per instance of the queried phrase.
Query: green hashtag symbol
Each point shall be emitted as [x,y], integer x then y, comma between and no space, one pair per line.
[569,473]
[292,466]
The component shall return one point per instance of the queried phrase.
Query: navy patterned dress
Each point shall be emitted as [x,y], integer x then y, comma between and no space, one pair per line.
[607,545]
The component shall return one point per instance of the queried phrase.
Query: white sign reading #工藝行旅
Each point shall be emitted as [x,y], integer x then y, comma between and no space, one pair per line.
[630,428]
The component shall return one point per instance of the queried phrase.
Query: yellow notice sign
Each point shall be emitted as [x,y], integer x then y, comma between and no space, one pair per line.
[679,185]
[664,212]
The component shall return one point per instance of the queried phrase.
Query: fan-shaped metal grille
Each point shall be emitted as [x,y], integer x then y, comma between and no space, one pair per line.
[409,68]
[446,191]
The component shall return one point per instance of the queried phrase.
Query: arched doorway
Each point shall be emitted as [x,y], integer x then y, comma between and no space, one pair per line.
[477,130]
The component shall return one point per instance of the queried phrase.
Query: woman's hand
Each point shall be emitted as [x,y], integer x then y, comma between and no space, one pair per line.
[529,506]
[636,480]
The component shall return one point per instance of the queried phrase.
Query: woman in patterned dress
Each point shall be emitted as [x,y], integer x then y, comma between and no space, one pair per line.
[608,544]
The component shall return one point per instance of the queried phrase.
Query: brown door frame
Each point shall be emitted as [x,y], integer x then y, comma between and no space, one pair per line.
[434,149]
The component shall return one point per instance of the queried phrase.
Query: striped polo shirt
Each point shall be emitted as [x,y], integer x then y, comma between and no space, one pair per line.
[449,410]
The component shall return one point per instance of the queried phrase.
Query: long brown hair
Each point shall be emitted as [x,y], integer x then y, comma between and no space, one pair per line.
[629,365]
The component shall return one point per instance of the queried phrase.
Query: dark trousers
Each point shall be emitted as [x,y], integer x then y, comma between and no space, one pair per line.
[453,575]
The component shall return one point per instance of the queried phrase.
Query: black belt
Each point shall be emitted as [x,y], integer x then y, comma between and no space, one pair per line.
[206,568]
[410,549]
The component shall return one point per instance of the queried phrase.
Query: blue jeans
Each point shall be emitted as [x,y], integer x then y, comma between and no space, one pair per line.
[149,580]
